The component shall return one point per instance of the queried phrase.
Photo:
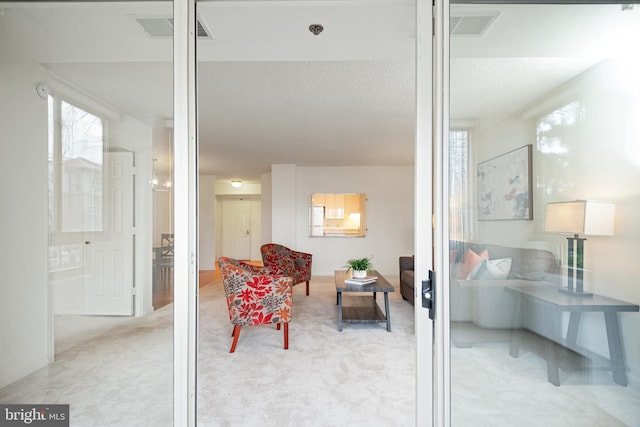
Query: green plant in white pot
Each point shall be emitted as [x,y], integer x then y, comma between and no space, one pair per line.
[359,266]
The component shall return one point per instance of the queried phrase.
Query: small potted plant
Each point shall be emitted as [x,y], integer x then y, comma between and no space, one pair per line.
[360,266]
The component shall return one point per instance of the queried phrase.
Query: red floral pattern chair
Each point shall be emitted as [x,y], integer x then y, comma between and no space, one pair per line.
[255,297]
[287,262]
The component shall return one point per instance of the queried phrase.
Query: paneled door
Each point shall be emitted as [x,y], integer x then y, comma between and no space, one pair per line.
[236,226]
[109,255]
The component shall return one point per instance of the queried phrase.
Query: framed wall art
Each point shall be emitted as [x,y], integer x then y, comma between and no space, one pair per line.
[505,186]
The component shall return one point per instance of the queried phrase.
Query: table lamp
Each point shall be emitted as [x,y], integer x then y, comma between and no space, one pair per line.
[586,217]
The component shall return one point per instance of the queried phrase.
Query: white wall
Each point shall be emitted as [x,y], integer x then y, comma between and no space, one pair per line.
[26,301]
[206,223]
[389,193]
[267,214]
[283,205]
[24,305]
[162,215]
[162,200]
[599,159]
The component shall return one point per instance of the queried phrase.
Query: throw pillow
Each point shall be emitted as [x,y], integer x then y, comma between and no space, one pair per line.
[495,269]
[474,270]
[469,260]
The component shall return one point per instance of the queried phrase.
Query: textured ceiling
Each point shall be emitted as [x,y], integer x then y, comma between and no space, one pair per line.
[306,113]
[271,92]
[491,88]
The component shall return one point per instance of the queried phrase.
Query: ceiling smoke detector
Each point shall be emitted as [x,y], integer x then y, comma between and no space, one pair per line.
[316,29]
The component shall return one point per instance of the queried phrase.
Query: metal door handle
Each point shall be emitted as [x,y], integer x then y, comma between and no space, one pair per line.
[428,295]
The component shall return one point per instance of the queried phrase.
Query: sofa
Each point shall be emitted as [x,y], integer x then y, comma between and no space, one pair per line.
[478,274]
[406,278]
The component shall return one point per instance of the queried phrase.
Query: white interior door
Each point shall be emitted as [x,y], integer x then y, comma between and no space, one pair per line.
[236,228]
[109,255]
[256,229]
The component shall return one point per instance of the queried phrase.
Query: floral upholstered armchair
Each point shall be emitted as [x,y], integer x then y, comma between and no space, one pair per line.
[287,262]
[255,297]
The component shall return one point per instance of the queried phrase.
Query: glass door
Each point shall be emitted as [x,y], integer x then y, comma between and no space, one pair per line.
[86,102]
[542,168]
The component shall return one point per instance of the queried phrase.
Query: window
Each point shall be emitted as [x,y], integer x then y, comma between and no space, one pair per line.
[559,136]
[460,198]
[76,160]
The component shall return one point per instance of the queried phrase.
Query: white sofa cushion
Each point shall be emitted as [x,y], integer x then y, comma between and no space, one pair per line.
[497,269]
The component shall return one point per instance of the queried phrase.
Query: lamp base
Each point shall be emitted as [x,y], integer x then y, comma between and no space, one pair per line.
[575,293]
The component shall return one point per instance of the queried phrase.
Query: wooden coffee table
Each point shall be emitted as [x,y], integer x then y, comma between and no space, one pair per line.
[369,312]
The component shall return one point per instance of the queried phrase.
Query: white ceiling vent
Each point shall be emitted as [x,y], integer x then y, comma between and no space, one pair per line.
[470,26]
[162,27]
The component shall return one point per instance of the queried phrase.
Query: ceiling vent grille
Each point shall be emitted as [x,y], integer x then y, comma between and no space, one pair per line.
[162,27]
[470,26]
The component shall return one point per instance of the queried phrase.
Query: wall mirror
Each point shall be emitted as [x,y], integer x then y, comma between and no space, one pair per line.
[337,215]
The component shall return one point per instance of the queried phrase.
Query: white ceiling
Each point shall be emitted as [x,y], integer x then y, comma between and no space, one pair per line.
[271,92]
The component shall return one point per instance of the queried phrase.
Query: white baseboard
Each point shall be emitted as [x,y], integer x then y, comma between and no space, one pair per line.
[10,376]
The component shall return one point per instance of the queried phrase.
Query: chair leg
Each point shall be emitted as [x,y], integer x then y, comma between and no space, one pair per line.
[278,326]
[286,335]
[307,288]
[235,334]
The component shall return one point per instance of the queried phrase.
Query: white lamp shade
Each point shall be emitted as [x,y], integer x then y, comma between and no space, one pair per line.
[587,217]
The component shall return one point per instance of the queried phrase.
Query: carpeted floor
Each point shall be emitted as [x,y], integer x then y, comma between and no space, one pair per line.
[362,376]
[120,373]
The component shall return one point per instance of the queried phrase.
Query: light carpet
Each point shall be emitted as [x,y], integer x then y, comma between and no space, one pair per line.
[362,376]
[117,372]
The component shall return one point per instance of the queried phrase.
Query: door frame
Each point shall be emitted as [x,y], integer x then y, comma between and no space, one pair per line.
[186,182]
[440,102]
[185,148]
[423,195]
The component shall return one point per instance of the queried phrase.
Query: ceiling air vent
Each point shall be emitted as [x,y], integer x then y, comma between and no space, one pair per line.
[470,25]
[162,27]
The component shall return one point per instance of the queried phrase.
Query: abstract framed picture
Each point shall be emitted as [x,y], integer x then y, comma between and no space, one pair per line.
[505,186]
